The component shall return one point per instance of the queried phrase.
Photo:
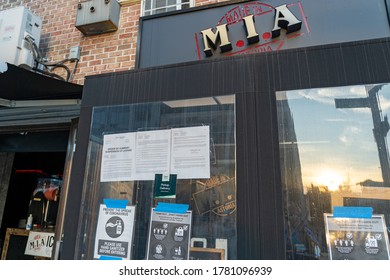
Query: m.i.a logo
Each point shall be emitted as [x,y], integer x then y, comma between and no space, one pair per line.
[251,28]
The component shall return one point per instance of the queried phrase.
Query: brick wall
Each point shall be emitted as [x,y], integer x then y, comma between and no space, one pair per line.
[104,53]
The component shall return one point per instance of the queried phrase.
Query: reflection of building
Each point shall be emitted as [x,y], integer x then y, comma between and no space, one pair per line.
[303,212]
[371,193]
[381,125]
[318,201]
[294,200]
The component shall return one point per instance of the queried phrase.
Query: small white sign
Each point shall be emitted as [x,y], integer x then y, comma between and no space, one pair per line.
[153,151]
[40,244]
[191,152]
[118,159]
[114,232]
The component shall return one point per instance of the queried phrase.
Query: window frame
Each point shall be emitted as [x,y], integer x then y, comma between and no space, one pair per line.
[152,10]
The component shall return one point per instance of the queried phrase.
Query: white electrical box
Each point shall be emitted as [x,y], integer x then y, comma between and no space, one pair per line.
[15,24]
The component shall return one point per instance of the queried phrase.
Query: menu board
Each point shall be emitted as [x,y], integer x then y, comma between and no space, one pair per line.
[357,238]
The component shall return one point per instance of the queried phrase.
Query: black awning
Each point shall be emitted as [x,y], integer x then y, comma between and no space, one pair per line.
[30,101]
[20,84]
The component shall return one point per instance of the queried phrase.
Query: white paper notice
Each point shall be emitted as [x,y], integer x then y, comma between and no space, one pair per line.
[153,151]
[191,152]
[118,157]
[141,155]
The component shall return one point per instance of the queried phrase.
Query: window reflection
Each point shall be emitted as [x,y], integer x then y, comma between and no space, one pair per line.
[334,152]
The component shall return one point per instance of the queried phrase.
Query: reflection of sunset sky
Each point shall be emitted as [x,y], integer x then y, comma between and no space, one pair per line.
[340,141]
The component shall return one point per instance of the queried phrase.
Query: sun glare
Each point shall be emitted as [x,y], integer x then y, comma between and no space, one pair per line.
[329,178]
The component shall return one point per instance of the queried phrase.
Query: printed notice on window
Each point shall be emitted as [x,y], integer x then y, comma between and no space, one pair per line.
[191,152]
[153,151]
[357,238]
[169,236]
[141,155]
[118,157]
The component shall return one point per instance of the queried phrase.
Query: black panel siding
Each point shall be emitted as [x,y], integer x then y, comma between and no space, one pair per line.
[254,79]
[260,217]
[75,190]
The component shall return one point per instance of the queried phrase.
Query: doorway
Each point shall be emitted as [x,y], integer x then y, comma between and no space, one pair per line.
[32,171]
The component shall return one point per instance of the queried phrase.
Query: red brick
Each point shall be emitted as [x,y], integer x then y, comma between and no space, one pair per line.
[99,54]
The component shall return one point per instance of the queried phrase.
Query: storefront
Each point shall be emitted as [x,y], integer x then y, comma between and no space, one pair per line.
[37,133]
[262,145]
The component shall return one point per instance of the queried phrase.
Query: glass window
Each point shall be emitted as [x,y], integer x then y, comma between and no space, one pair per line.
[151,7]
[333,147]
[201,148]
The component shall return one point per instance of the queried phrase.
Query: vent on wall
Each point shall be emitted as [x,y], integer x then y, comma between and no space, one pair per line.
[95,17]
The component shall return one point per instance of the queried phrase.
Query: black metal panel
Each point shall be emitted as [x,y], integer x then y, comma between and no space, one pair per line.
[75,189]
[331,65]
[181,81]
[259,200]
[254,79]
[377,55]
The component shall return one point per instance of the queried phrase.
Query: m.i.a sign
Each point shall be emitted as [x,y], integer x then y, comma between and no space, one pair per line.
[253,27]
